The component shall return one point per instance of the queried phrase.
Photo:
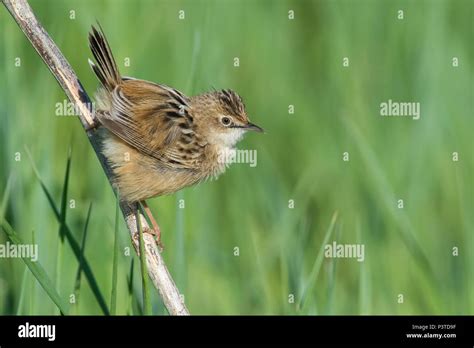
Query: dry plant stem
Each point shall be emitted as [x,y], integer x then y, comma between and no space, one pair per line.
[62,71]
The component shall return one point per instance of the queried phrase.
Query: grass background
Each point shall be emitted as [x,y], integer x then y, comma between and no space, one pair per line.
[299,62]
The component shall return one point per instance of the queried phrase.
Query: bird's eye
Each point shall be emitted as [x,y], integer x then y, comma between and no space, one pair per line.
[226,121]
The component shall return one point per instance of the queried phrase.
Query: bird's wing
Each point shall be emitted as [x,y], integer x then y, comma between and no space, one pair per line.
[156,120]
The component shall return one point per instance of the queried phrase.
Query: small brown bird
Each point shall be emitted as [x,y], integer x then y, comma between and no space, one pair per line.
[158,140]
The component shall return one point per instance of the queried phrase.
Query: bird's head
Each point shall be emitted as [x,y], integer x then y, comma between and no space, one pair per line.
[224,119]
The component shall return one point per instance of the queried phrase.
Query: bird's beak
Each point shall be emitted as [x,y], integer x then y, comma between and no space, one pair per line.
[254,127]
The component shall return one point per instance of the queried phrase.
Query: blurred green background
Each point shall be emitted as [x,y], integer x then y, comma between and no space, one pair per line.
[283,62]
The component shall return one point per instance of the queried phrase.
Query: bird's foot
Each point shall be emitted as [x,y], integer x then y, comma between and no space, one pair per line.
[155,231]
[155,234]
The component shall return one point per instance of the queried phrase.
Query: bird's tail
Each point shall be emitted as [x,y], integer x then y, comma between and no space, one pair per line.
[106,68]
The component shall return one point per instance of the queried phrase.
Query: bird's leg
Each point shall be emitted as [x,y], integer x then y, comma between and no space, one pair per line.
[156,229]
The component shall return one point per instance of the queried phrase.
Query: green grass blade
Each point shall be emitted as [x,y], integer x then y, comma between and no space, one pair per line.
[32,303]
[21,300]
[332,277]
[6,195]
[3,208]
[73,244]
[43,186]
[87,271]
[364,295]
[317,265]
[38,271]
[77,283]
[144,269]
[64,195]
[134,305]
[194,59]
[62,221]
[130,287]
[113,296]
